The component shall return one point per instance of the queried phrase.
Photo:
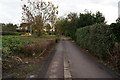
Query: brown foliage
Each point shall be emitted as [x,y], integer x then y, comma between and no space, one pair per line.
[115,56]
[36,48]
[30,50]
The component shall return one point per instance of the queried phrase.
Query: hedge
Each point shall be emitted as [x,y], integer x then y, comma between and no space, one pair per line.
[115,28]
[101,40]
[11,33]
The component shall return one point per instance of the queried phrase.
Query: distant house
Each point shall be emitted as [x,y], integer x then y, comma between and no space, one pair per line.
[24,27]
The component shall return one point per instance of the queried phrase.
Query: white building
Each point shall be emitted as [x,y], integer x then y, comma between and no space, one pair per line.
[119,9]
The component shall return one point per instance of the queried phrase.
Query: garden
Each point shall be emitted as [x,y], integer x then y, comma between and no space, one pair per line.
[20,50]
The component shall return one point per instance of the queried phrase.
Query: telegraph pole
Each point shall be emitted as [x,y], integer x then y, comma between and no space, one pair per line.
[31,29]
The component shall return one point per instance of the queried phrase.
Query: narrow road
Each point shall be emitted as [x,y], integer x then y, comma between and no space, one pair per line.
[70,61]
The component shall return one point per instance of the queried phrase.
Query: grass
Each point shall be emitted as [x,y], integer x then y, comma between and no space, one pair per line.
[50,36]
[12,47]
[29,67]
[13,44]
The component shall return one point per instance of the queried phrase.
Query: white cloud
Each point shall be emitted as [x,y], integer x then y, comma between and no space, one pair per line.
[11,9]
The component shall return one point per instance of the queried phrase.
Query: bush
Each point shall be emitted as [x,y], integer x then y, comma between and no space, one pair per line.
[13,44]
[11,33]
[15,47]
[101,40]
[115,28]
[37,47]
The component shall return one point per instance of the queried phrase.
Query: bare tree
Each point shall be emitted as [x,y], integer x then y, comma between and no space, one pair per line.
[38,13]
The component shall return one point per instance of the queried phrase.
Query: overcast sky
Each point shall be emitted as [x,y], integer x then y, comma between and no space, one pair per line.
[10,10]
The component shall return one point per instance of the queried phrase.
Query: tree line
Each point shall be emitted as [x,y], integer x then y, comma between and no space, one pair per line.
[68,25]
[8,27]
[40,17]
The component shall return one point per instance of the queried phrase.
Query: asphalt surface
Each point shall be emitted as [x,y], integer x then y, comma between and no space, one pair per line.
[55,69]
[70,61]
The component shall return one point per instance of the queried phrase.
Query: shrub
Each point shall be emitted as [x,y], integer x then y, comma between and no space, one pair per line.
[37,47]
[18,46]
[101,40]
[11,33]
[115,28]
[13,44]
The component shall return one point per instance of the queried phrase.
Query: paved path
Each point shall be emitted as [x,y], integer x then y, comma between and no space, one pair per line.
[71,62]
[55,69]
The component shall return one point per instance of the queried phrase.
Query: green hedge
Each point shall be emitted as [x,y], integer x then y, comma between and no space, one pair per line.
[115,28]
[11,33]
[101,40]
